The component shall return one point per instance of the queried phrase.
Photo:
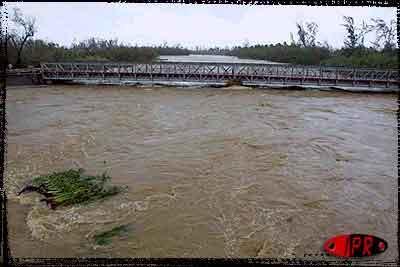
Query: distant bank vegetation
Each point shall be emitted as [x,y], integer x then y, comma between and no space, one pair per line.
[24,50]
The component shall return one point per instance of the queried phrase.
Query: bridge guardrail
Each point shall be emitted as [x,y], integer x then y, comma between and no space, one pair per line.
[219,71]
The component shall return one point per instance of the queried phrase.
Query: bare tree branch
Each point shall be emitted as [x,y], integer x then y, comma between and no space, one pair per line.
[25,29]
[355,35]
[307,34]
[385,32]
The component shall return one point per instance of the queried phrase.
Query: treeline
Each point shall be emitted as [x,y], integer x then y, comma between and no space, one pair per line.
[24,50]
[359,57]
[306,50]
[283,53]
[91,50]
[363,57]
[94,50]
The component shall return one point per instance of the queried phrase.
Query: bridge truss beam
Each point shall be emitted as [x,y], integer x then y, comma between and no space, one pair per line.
[221,72]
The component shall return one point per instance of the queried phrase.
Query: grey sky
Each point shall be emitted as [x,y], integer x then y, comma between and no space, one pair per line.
[190,25]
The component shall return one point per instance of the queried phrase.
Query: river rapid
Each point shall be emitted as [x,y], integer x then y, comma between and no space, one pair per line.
[211,172]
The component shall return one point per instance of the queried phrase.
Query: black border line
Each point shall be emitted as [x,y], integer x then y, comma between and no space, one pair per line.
[4,250]
[398,131]
[8,260]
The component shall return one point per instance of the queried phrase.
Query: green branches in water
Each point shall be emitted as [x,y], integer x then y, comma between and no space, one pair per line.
[104,238]
[72,187]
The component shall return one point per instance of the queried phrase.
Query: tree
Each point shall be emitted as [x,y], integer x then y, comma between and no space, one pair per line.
[20,33]
[25,28]
[351,38]
[355,35]
[306,34]
[311,34]
[386,32]
[301,33]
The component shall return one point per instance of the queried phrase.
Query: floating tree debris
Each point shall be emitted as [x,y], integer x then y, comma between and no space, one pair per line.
[71,187]
[105,238]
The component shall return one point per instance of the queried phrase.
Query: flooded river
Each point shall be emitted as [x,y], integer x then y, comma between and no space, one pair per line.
[211,172]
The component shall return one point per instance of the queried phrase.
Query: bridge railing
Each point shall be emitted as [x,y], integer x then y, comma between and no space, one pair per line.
[228,70]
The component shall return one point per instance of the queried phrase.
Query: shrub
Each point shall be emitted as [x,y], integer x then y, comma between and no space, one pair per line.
[72,187]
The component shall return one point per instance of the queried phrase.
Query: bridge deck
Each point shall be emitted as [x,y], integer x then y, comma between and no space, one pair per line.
[221,72]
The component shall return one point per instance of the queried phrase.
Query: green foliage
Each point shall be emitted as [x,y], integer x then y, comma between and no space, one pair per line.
[91,50]
[37,51]
[104,238]
[363,58]
[73,187]
[293,54]
[172,51]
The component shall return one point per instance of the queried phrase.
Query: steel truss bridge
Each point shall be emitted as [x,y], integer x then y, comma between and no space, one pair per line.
[251,74]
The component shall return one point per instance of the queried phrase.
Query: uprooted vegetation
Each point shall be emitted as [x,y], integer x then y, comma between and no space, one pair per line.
[71,187]
[105,238]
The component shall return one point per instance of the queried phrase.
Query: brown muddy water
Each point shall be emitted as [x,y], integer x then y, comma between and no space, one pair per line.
[211,172]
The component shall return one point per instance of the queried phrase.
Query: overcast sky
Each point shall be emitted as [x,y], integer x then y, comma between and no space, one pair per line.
[190,25]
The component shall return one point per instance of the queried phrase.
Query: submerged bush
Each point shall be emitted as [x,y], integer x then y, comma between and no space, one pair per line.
[104,238]
[71,187]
